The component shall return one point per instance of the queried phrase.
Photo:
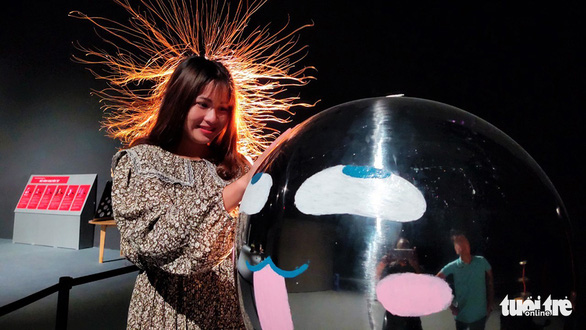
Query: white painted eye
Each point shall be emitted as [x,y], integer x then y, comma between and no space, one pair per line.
[360,190]
[256,193]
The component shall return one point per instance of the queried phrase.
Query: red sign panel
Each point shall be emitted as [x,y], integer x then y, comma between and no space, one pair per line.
[68,198]
[79,199]
[49,192]
[26,196]
[57,198]
[36,197]
[52,193]
[50,179]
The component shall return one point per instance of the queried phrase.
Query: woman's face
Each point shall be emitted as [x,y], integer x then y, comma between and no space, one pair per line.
[209,115]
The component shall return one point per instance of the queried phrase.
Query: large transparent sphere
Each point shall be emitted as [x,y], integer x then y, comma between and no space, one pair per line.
[350,218]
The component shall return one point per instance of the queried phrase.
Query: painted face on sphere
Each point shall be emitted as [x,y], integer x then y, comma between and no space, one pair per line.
[209,115]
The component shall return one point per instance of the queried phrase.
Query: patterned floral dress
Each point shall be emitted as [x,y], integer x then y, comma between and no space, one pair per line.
[174,227]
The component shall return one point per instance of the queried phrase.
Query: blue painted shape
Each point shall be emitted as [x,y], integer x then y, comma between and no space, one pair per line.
[284,273]
[365,172]
[256,177]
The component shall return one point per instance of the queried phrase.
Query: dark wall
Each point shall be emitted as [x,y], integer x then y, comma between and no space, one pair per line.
[49,123]
[519,67]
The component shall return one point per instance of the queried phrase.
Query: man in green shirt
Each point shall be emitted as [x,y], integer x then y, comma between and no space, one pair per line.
[473,284]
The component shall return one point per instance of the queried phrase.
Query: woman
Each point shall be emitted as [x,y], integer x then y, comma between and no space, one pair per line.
[172,194]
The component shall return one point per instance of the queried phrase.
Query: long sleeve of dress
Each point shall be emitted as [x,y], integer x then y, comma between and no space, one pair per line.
[180,228]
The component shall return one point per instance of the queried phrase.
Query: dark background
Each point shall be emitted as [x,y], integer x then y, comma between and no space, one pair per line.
[520,67]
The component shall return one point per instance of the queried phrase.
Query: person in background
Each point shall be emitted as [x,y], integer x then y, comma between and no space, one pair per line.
[473,285]
[402,259]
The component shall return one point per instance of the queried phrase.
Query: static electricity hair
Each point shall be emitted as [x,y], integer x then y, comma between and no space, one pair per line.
[188,81]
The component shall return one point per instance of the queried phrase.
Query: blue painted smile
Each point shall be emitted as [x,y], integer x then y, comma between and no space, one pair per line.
[284,273]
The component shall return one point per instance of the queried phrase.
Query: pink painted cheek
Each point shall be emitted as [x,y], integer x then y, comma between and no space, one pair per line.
[410,294]
[272,303]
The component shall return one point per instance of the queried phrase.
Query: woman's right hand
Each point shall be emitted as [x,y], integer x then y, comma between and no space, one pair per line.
[233,192]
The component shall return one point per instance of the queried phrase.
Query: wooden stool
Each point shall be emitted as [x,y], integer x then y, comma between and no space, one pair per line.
[104,223]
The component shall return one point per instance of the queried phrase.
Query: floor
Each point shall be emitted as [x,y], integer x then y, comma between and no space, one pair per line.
[26,269]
